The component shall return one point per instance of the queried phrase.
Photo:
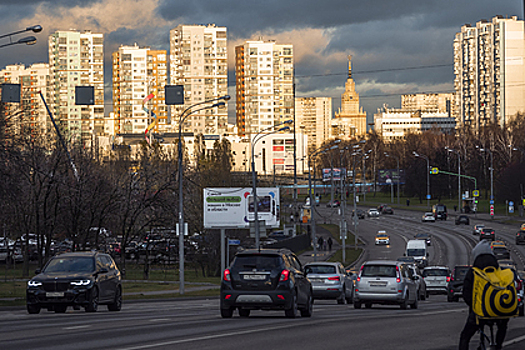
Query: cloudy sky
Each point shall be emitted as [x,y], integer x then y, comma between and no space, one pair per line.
[386,38]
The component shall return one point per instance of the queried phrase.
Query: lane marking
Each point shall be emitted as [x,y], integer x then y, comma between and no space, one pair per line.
[77,327]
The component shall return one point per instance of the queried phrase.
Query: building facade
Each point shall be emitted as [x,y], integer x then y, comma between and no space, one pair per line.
[489,72]
[139,77]
[350,120]
[198,61]
[28,120]
[442,102]
[313,115]
[264,74]
[77,59]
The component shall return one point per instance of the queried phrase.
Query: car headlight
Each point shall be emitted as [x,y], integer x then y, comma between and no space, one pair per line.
[81,283]
[34,284]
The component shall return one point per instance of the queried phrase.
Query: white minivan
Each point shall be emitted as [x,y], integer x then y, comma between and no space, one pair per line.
[418,250]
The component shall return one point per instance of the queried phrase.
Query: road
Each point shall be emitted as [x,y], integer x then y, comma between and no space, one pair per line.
[196,323]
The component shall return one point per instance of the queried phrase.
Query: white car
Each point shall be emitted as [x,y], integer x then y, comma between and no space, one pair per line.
[373,212]
[428,217]
[436,278]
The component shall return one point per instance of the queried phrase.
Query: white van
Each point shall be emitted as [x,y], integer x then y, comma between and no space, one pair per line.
[418,250]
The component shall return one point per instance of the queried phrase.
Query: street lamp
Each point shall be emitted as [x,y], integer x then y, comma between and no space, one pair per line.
[355,218]
[256,138]
[428,175]
[30,40]
[491,174]
[398,174]
[185,114]
[459,175]
[312,205]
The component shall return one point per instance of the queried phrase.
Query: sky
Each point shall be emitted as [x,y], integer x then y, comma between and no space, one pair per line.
[387,39]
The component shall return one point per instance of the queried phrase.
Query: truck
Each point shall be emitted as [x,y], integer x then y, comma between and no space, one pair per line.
[418,250]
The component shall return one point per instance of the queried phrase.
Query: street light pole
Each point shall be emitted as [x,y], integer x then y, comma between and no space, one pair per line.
[398,175]
[459,175]
[186,113]
[260,135]
[491,174]
[30,40]
[428,175]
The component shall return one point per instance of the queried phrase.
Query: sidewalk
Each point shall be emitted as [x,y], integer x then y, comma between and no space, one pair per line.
[322,255]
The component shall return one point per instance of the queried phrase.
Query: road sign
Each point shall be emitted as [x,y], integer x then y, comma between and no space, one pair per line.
[428,196]
[434,171]
[234,241]
[492,210]
[475,193]
[491,201]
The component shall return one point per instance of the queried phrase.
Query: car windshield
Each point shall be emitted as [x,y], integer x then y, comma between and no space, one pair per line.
[421,235]
[72,264]
[459,274]
[499,250]
[415,252]
[435,272]
[378,271]
[320,269]
[257,261]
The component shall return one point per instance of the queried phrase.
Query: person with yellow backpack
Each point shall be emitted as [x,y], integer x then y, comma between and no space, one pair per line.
[490,294]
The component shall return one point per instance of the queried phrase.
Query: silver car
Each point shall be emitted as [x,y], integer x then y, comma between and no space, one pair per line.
[330,281]
[385,282]
[422,292]
[436,278]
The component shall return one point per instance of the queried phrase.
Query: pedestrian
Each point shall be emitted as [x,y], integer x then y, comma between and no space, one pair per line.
[320,242]
[408,202]
[455,208]
[330,243]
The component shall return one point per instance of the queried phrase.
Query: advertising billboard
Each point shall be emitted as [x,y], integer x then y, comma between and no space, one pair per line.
[389,176]
[226,207]
[337,174]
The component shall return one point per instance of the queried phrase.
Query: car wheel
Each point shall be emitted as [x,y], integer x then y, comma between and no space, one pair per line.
[521,311]
[244,312]
[342,298]
[227,313]
[350,299]
[424,296]
[93,300]
[450,298]
[414,305]
[292,311]
[33,309]
[368,305]
[404,303]
[357,305]
[117,304]
[309,308]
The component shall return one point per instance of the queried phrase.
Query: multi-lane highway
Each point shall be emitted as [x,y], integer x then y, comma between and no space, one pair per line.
[196,323]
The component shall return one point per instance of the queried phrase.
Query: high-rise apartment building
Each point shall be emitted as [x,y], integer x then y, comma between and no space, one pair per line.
[350,120]
[264,73]
[314,116]
[139,77]
[489,72]
[198,60]
[77,59]
[29,119]
[443,102]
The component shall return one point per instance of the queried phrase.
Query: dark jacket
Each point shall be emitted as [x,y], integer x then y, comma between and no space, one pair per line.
[481,262]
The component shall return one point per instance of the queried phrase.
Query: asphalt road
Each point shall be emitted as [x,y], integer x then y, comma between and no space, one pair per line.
[196,323]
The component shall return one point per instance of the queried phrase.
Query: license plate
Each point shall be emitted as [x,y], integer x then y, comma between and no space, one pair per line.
[254,277]
[377,284]
[55,294]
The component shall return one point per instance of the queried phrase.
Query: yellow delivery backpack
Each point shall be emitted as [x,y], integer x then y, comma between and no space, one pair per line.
[494,293]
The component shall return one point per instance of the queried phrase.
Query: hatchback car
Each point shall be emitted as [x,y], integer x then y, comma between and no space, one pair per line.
[487,233]
[330,281]
[81,279]
[382,238]
[428,217]
[455,284]
[385,282]
[436,278]
[265,279]
[462,219]
[477,229]
[360,213]
[387,210]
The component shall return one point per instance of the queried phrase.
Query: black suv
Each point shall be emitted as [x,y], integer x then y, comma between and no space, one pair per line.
[266,279]
[455,284]
[487,233]
[82,279]
[440,211]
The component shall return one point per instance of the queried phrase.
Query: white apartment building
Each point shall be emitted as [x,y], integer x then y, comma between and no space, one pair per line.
[77,59]
[489,71]
[198,60]
[264,73]
[29,119]
[442,102]
[395,124]
[139,77]
[313,116]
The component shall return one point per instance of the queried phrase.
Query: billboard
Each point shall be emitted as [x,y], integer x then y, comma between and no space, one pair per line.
[387,176]
[337,174]
[226,207]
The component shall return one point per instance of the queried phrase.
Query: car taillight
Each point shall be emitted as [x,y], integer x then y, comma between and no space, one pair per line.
[226,275]
[519,285]
[358,279]
[336,278]
[285,275]
[448,279]
[398,275]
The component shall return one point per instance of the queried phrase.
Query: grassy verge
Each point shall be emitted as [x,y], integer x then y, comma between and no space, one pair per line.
[351,254]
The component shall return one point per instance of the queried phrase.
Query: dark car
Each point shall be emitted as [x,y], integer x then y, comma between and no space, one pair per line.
[487,233]
[455,285]
[424,237]
[81,279]
[462,219]
[520,237]
[440,211]
[266,279]
[387,210]
[334,204]
[360,213]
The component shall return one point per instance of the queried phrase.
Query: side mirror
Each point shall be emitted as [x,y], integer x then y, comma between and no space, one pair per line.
[103,270]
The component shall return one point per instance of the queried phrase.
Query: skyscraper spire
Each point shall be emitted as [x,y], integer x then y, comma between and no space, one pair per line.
[350,66]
